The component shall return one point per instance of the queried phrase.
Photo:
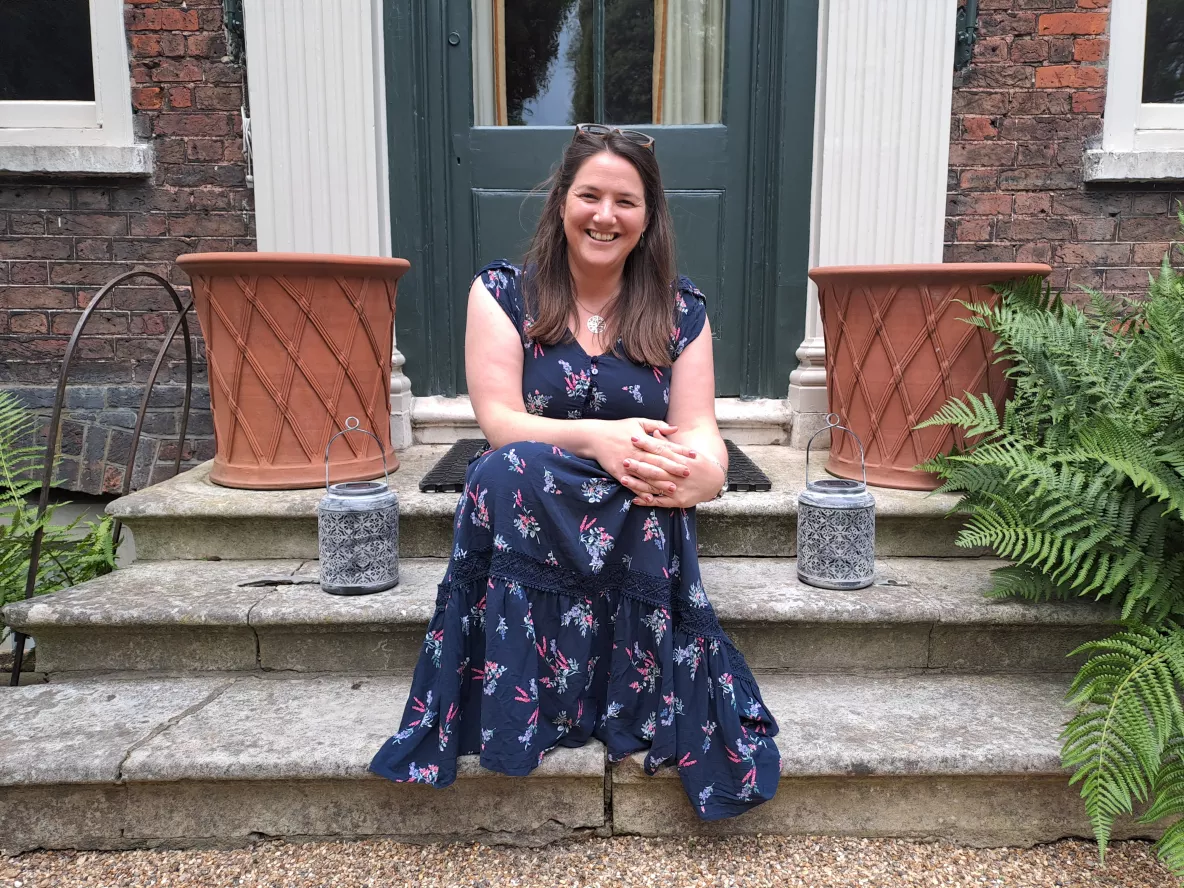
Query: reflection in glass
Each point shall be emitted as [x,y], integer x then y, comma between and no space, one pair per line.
[558,62]
[1163,57]
[46,57]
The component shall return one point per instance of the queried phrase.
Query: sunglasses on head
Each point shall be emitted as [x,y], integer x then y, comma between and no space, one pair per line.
[603,131]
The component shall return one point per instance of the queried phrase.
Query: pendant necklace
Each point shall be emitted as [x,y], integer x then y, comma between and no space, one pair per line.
[595,322]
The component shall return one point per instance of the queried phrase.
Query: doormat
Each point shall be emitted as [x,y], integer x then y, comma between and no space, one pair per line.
[448,474]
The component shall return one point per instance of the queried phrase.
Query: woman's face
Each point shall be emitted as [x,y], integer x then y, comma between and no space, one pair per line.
[604,214]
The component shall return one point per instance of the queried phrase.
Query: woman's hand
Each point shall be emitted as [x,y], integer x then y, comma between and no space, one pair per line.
[613,447]
[696,479]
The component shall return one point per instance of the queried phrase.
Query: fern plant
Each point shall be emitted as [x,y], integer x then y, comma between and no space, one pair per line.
[70,553]
[1080,484]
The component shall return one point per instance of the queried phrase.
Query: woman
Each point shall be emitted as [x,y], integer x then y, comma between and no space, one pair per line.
[572,606]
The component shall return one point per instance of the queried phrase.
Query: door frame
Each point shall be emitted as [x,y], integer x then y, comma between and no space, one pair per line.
[784,49]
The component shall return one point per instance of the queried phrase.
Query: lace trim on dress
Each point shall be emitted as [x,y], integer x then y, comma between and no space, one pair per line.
[645,588]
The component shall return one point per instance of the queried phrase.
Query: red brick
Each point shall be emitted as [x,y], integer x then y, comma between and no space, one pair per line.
[180,97]
[1149,254]
[1000,76]
[1031,204]
[1152,204]
[193,124]
[979,127]
[1091,49]
[979,253]
[94,248]
[1089,102]
[34,197]
[1041,102]
[148,225]
[1098,255]
[26,223]
[1093,4]
[172,72]
[150,323]
[1006,24]
[978,180]
[147,98]
[1097,229]
[1072,23]
[109,224]
[1058,76]
[85,273]
[979,154]
[1034,252]
[163,20]
[1029,49]
[204,46]
[1127,280]
[1033,228]
[27,322]
[28,272]
[213,225]
[1149,228]
[979,204]
[207,150]
[36,248]
[35,297]
[101,323]
[1034,154]
[1032,179]
[974,229]
[1060,50]
[990,50]
[219,98]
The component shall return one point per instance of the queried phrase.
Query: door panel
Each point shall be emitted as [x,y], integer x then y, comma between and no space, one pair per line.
[738,190]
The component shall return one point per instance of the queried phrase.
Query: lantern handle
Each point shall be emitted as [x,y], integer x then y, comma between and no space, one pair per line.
[832,422]
[352,425]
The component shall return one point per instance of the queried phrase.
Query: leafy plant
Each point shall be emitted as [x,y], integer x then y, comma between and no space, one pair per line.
[68,555]
[1080,483]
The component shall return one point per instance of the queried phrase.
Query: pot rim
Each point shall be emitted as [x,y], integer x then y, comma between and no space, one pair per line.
[300,262]
[979,272]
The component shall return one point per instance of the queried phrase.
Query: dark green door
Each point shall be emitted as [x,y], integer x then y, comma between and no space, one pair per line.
[493,87]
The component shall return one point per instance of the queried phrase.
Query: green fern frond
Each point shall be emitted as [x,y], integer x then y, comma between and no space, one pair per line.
[1129,709]
[20,457]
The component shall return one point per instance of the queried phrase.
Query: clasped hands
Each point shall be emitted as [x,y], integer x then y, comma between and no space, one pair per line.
[659,471]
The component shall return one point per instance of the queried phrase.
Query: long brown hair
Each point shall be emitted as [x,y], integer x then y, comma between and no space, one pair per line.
[643,314]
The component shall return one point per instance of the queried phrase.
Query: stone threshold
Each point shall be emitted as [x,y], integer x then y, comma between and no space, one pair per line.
[186,761]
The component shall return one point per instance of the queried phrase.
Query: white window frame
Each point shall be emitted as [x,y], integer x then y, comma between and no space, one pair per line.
[1130,124]
[80,136]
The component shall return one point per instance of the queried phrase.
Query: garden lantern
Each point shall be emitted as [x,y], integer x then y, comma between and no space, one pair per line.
[836,527]
[358,531]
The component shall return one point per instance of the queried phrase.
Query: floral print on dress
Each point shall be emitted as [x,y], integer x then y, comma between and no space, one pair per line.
[565,615]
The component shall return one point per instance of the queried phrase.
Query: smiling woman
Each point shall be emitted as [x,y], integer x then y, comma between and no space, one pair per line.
[573,607]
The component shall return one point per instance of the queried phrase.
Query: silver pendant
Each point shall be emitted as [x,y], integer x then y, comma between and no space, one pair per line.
[596,323]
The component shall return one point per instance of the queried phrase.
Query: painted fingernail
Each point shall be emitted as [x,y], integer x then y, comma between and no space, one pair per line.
[691,454]
[634,439]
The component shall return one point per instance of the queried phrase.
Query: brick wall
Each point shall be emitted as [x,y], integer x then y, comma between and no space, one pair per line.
[61,239]
[1032,96]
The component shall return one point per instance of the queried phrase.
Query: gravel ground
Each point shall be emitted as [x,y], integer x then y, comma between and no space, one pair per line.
[616,862]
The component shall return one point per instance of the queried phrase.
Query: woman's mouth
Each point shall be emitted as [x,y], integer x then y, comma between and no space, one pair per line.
[602,236]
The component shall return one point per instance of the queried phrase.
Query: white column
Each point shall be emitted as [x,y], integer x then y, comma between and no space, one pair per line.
[318,135]
[881,153]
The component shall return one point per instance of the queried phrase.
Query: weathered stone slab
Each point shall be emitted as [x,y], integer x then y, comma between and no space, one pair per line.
[116,763]
[923,614]
[973,759]
[72,734]
[188,517]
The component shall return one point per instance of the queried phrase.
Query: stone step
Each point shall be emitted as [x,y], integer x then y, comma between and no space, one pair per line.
[923,615]
[188,517]
[115,763]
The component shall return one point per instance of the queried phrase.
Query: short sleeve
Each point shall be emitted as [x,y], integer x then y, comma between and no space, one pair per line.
[502,279]
[690,316]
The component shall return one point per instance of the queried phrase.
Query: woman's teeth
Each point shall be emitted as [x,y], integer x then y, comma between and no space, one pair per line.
[601,236]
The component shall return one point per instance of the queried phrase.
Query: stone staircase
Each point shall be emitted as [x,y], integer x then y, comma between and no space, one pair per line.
[211,693]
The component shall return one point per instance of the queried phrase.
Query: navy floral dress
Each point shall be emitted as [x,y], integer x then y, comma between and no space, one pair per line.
[569,613]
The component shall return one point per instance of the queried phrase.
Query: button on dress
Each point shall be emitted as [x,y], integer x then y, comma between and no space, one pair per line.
[568,613]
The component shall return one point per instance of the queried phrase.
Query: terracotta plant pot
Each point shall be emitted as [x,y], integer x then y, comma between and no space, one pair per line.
[897,348]
[296,343]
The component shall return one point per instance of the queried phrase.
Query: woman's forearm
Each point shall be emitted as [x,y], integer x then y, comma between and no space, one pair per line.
[502,425]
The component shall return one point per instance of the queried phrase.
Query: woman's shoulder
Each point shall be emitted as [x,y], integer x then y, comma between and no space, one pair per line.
[687,296]
[499,270]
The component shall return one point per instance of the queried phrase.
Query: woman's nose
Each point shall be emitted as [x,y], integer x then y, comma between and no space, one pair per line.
[604,211]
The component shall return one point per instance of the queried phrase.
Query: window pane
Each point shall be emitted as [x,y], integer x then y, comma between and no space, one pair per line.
[542,63]
[541,37]
[628,61]
[45,51]
[1163,59]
